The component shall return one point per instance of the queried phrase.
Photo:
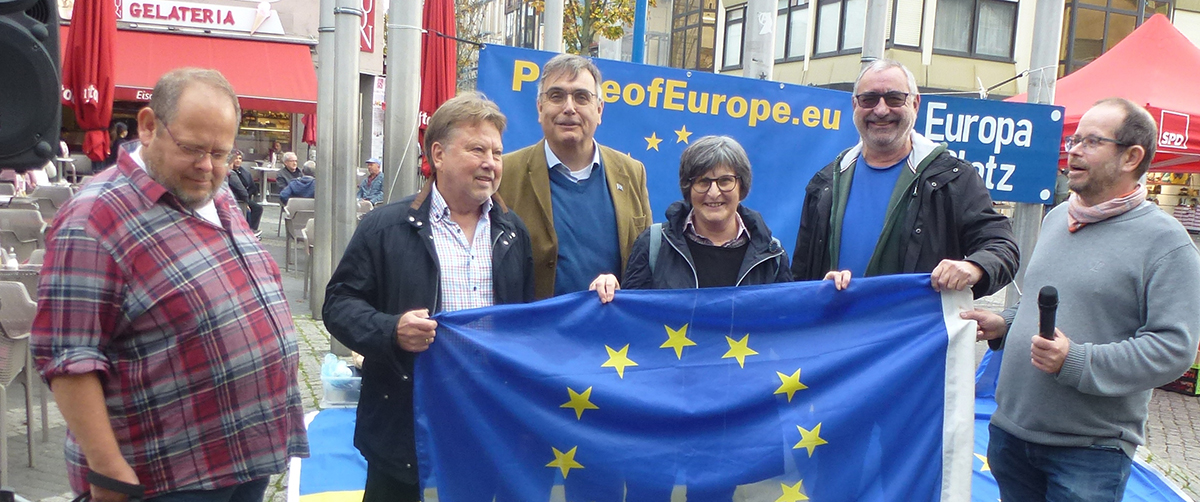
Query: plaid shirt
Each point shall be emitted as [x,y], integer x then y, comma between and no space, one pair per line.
[185,323]
[466,269]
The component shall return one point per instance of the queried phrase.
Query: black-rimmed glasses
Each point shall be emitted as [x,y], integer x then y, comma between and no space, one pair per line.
[724,183]
[893,99]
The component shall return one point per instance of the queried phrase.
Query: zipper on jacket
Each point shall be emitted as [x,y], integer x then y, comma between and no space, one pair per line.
[695,277]
[760,262]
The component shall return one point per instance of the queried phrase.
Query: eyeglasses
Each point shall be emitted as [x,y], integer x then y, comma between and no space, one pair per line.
[582,97]
[1089,142]
[724,183]
[219,157]
[893,99]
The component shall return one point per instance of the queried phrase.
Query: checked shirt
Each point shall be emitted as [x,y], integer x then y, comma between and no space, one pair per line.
[185,323]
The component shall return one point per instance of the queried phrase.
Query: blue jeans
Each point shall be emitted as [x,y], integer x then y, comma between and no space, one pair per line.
[1032,472]
[250,491]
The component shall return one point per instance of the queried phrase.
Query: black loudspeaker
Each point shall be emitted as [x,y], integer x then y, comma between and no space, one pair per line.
[30,83]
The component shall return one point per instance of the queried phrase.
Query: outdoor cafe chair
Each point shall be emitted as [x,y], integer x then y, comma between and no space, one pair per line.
[16,319]
[364,207]
[21,203]
[7,189]
[23,230]
[50,198]
[308,241]
[300,203]
[294,223]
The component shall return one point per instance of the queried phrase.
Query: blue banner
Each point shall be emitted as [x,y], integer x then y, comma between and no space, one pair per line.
[652,113]
[773,392]
[1013,146]
[789,131]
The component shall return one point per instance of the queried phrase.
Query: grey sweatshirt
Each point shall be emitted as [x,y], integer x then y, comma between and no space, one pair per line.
[1129,300]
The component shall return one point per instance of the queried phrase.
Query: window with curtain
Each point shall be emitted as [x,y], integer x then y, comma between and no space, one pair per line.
[791,30]
[735,25]
[975,28]
[840,26]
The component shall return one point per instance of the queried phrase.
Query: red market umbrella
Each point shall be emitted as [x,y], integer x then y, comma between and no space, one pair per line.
[439,61]
[88,71]
[310,128]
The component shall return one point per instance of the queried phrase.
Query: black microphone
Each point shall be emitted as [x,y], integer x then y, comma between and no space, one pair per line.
[1047,307]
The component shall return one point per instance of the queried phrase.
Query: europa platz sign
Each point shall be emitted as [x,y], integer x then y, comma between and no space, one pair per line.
[1013,146]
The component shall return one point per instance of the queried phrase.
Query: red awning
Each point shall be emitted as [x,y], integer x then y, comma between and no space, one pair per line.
[270,76]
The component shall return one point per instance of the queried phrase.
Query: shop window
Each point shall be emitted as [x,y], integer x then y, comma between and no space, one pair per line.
[693,34]
[735,25]
[260,129]
[791,30]
[840,26]
[976,28]
[1092,27]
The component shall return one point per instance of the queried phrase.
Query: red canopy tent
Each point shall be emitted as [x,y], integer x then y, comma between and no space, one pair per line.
[439,62]
[88,71]
[1155,66]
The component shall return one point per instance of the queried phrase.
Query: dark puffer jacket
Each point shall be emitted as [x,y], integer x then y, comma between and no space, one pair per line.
[765,263]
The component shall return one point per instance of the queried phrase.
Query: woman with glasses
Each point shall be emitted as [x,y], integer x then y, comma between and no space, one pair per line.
[709,239]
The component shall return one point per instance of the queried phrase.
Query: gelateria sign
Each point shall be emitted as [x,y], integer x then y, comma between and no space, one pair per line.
[260,19]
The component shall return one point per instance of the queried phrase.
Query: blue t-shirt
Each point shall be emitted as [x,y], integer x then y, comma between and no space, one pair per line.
[866,208]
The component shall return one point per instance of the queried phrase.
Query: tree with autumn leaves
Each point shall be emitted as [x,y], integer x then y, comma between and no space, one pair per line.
[583,20]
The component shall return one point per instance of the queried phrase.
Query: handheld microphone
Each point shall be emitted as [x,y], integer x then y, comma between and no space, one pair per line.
[1047,307]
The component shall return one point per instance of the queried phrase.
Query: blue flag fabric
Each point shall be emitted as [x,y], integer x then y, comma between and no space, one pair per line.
[776,392]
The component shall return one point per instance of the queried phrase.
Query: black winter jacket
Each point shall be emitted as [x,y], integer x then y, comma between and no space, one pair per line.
[951,217]
[390,267]
[765,263]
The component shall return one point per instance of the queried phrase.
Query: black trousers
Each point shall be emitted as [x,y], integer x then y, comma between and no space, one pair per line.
[255,215]
[382,487]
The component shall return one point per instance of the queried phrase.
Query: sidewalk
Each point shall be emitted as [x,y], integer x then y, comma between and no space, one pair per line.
[1172,434]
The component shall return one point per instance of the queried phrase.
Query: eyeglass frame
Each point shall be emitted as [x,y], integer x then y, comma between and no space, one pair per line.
[1075,140]
[198,153]
[877,96]
[693,183]
[591,96]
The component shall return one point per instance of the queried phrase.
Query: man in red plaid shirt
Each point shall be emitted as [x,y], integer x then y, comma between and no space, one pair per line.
[162,328]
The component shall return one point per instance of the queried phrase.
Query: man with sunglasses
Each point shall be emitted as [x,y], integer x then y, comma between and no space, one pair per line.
[584,203]
[1071,410]
[162,327]
[899,203]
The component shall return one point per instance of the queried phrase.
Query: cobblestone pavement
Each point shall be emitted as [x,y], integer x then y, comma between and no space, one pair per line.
[1172,433]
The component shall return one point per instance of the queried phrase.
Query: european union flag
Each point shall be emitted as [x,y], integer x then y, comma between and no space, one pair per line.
[785,392]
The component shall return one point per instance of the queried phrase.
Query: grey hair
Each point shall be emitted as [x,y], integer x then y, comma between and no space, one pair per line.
[290,156]
[170,87]
[310,168]
[1137,128]
[568,65]
[711,152]
[887,64]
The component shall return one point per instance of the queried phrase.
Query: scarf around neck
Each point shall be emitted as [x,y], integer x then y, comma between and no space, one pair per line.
[1079,215]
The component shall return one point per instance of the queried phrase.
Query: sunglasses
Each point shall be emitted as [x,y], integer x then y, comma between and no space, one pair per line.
[893,99]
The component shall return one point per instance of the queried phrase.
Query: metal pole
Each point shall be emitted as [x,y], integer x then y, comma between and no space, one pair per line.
[403,97]
[639,32]
[1043,61]
[760,39]
[347,17]
[874,40]
[553,41]
[322,221]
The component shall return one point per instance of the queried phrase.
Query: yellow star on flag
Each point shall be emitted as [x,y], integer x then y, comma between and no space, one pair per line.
[682,135]
[983,459]
[652,141]
[565,461]
[738,349]
[618,359]
[677,339]
[790,384]
[810,439]
[579,402]
[792,493]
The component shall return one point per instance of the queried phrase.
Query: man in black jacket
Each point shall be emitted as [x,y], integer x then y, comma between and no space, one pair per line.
[241,182]
[413,258]
[900,203]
